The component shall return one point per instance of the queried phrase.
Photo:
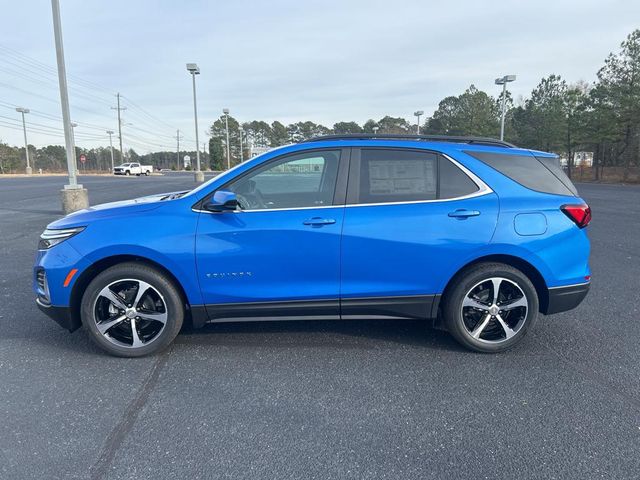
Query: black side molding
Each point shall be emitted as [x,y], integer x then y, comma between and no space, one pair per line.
[419,307]
[274,311]
[199,315]
[562,299]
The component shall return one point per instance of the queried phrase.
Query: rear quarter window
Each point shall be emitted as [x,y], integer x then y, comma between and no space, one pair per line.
[539,174]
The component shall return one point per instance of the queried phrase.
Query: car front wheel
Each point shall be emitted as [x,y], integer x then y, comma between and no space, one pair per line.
[132,310]
[491,307]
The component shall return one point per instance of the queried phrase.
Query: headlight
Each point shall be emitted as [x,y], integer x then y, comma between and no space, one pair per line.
[51,238]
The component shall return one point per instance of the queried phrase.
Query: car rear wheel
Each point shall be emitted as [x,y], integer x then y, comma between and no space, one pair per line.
[132,310]
[146,174]
[491,307]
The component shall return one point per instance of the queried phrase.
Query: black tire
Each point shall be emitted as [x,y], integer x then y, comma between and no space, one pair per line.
[146,174]
[174,308]
[452,308]
[127,173]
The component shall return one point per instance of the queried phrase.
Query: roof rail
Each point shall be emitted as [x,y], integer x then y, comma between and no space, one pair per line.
[429,138]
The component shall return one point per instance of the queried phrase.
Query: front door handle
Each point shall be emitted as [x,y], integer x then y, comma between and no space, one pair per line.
[461,214]
[318,222]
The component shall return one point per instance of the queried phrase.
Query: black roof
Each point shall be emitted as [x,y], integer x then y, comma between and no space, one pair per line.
[428,138]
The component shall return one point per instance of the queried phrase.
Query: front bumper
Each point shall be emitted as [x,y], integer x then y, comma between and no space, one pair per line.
[566,298]
[62,316]
[54,280]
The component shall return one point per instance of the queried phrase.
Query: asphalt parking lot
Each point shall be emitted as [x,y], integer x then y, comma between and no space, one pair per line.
[322,400]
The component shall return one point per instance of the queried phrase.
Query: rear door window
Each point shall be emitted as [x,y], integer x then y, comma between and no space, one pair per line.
[401,175]
[531,172]
[388,175]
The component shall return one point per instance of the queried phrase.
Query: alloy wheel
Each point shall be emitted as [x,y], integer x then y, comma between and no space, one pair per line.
[494,310]
[130,313]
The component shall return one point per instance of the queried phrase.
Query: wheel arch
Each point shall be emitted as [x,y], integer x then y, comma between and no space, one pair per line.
[101,265]
[524,266]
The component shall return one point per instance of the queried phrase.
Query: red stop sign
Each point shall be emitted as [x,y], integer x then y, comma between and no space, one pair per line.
[83,158]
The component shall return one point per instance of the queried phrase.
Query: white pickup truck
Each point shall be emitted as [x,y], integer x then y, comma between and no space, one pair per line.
[133,169]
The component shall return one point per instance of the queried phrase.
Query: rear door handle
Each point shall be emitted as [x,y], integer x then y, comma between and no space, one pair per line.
[462,213]
[318,222]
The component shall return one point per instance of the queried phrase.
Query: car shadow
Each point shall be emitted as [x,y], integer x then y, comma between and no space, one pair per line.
[342,334]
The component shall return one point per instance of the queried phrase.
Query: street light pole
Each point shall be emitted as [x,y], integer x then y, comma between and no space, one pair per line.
[418,114]
[241,150]
[503,81]
[194,70]
[110,132]
[226,124]
[74,197]
[26,144]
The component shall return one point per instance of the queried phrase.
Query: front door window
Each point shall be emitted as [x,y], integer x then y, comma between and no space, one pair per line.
[305,180]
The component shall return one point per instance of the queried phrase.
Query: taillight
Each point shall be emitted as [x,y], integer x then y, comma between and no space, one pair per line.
[580,214]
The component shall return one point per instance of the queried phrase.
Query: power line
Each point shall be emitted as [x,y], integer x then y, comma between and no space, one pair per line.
[25,59]
[47,116]
[46,75]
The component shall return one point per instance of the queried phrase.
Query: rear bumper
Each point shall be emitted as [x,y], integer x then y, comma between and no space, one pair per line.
[61,315]
[566,298]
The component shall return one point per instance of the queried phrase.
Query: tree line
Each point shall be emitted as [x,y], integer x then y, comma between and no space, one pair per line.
[558,116]
[53,158]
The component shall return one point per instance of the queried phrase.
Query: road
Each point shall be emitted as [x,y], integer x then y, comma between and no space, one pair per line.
[321,400]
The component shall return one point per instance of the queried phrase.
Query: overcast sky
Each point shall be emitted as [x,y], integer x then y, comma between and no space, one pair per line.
[285,60]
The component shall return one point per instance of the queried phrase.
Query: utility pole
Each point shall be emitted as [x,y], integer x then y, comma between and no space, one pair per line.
[110,132]
[26,144]
[74,197]
[119,109]
[177,137]
[226,123]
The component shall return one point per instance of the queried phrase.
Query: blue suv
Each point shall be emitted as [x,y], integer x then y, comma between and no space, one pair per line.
[472,235]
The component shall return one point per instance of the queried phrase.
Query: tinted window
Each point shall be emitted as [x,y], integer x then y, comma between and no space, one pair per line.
[527,171]
[453,181]
[303,180]
[553,164]
[397,176]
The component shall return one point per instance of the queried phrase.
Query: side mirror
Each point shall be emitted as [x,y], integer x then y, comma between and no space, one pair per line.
[222,201]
